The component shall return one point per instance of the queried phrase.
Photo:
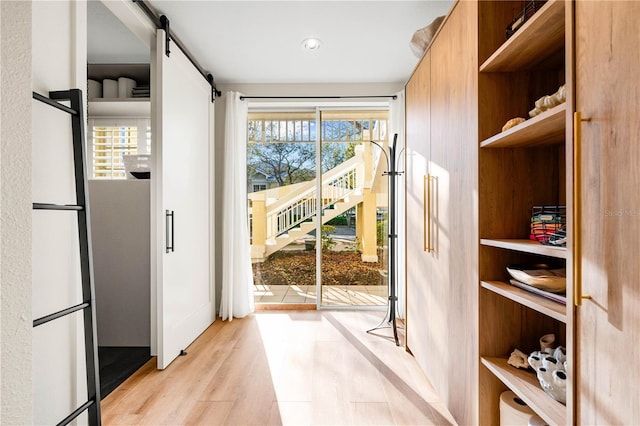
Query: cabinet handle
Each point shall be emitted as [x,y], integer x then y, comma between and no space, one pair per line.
[425,182]
[577,209]
[427,213]
[169,224]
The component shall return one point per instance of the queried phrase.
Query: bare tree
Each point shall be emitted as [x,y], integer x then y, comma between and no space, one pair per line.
[286,162]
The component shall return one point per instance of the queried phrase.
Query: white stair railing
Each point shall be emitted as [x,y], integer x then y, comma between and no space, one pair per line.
[289,212]
[301,203]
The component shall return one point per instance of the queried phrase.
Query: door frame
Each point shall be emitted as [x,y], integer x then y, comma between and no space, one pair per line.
[318,107]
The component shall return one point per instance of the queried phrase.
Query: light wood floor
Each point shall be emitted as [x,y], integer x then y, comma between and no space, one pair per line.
[283,368]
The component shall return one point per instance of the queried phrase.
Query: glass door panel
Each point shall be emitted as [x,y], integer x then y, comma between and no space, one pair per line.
[354,202]
[281,188]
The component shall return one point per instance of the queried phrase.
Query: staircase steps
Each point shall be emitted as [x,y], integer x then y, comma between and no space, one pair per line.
[304,228]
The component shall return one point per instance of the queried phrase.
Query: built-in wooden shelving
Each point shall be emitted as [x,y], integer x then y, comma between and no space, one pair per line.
[518,167]
[525,384]
[548,128]
[537,303]
[527,246]
[542,33]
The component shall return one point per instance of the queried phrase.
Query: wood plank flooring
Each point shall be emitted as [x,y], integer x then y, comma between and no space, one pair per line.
[283,368]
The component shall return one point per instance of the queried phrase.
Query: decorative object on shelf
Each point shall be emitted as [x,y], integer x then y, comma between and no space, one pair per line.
[139,164]
[551,368]
[422,37]
[94,89]
[125,86]
[531,7]
[549,225]
[547,341]
[109,88]
[540,276]
[549,101]
[518,359]
[514,411]
[512,123]
[141,175]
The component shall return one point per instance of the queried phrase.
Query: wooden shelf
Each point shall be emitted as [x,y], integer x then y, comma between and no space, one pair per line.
[119,107]
[527,246]
[540,36]
[537,303]
[547,128]
[525,384]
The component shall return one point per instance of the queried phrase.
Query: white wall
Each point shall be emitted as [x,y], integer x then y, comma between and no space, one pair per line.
[343,89]
[59,63]
[15,213]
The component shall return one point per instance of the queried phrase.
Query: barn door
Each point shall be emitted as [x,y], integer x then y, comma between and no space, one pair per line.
[183,115]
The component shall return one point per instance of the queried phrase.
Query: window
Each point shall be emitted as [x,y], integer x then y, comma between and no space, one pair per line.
[259,187]
[113,138]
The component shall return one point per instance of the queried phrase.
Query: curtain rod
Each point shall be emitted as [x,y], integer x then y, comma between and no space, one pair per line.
[318,97]
[158,22]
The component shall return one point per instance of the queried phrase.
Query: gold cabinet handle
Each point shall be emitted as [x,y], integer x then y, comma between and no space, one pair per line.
[577,209]
[427,213]
[425,221]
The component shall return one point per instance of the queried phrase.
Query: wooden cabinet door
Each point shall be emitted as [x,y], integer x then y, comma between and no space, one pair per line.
[608,324]
[453,287]
[418,155]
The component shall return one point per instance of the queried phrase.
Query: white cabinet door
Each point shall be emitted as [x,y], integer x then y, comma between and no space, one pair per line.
[183,170]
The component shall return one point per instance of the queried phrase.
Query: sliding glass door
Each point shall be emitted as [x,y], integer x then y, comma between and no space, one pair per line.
[317,201]
[281,185]
[353,260]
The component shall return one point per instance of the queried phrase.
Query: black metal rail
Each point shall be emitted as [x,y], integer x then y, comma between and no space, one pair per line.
[162,23]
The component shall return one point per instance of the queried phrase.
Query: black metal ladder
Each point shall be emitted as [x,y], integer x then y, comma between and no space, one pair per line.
[86,261]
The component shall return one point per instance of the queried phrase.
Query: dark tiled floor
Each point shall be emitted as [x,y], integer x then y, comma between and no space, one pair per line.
[117,364]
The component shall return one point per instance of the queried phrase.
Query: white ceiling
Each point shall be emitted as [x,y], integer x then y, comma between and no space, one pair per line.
[260,41]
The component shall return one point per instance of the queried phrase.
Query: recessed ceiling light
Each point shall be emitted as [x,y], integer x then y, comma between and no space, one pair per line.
[311,44]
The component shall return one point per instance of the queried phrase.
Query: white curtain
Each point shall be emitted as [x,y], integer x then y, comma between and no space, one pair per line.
[237,275]
[396,125]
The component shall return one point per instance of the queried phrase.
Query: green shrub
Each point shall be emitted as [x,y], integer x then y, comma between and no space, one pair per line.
[381,232]
[338,221]
[327,241]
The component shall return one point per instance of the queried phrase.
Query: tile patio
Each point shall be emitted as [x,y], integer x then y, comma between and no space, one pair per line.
[341,295]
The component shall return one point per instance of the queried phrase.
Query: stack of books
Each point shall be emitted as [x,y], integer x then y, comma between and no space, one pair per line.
[141,92]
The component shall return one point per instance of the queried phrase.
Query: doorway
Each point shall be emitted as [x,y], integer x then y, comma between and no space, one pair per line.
[118,142]
[317,204]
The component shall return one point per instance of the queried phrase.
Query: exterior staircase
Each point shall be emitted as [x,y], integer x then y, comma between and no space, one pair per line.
[283,215]
[303,228]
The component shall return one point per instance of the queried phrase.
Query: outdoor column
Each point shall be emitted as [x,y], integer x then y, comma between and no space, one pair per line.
[367,219]
[258,230]
[359,216]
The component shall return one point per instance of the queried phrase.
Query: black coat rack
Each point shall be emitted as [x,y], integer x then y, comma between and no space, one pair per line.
[392,173]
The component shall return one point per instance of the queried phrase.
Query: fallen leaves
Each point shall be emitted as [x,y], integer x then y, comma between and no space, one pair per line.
[299,268]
